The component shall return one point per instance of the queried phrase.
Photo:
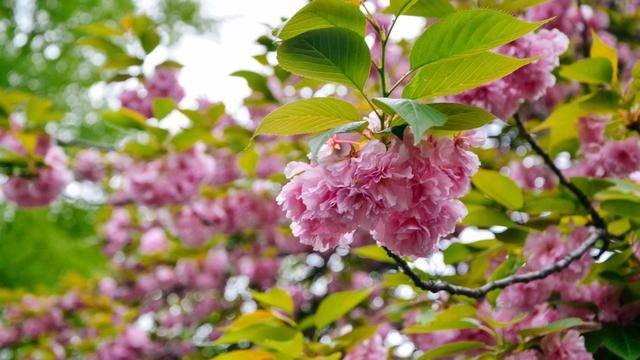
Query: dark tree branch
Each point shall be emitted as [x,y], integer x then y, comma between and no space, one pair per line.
[480,292]
[599,233]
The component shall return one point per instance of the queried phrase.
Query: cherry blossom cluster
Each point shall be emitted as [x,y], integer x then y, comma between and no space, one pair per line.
[42,184]
[162,84]
[404,194]
[603,157]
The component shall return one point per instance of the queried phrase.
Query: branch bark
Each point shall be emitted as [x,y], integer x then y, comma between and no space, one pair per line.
[599,233]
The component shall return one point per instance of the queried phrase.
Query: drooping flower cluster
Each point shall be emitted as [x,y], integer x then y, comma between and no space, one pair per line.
[48,179]
[163,84]
[504,96]
[405,195]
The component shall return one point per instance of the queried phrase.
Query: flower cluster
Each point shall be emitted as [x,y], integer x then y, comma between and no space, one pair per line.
[603,157]
[504,96]
[48,179]
[163,84]
[405,195]
[169,180]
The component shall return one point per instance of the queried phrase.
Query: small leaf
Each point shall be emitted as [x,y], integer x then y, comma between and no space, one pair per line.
[321,14]
[486,218]
[162,107]
[356,336]
[420,117]
[595,70]
[424,8]
[461,116]
[333,55]
[276,297]
[554,327]
[248,160]
[600,49]
[316,142]
[457,74]
[373,252]
[336,305]
[308,116]
[499,187]
[466,33]
[246,355]
[452,348]
[257,82]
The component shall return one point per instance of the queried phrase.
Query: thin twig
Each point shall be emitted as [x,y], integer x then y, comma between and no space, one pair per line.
[480,292]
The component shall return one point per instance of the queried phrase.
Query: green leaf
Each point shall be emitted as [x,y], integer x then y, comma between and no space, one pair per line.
[556,205]
[258,334]
[461,116]
[623,341]
[595,70]
[248,160]
[337,305]
[466,33]
[257,82]
[321,14]
[452,348]
[510,6]
[624,208]
[126,118]
[455,75]
[554,327]
[308,116]
[246,355]
[356,336]
[316,142]
[486,218]
[162,107]
[373,252]
[563,119]
[291,348]
[333,55]
[149,39]
[600,49]
[456,317]
[276,297]
[499,187]
[420,117]
[185,139]
[424,8]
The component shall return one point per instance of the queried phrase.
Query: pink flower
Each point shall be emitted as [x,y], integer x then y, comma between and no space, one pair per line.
[591,133]
[524,355]
[404,194]
[503,97]
[48,181]
[88,165]
[190,228]
[370,349]
[535,176]
[568,346]
[162,84]
[622,157]
[153,241]
[174,179]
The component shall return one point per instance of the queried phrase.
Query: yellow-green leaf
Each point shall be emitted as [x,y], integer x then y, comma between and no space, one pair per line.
[337,305]
[308,116]
[499,187]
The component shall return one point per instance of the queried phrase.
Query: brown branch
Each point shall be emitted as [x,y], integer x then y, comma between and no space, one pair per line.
[480,292]
[597,221]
